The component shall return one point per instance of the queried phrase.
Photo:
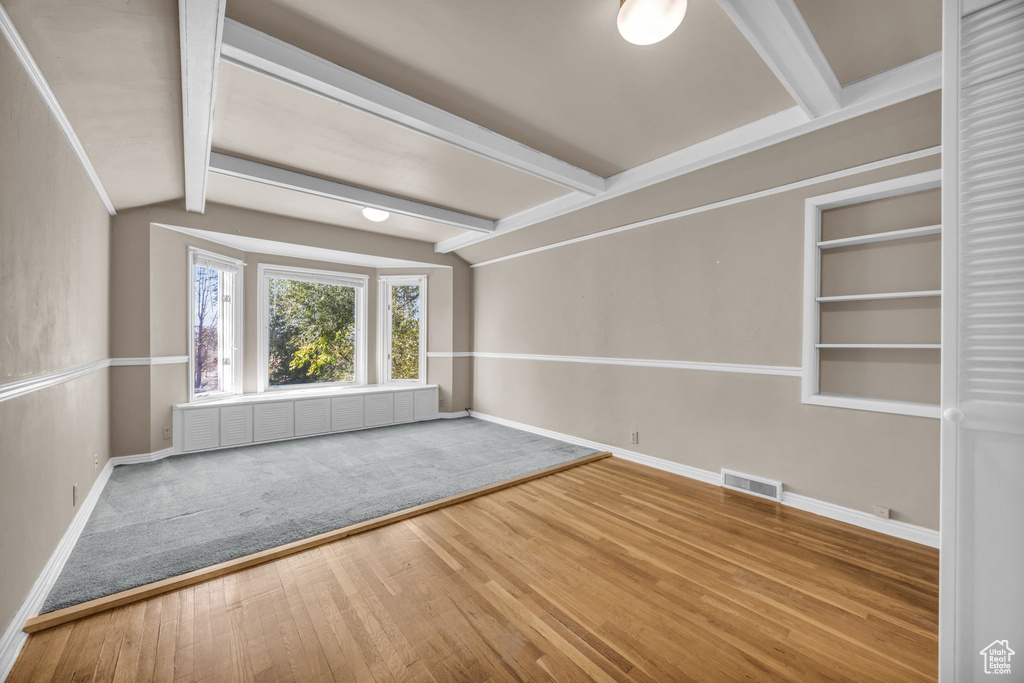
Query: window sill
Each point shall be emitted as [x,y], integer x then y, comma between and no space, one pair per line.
[311,392]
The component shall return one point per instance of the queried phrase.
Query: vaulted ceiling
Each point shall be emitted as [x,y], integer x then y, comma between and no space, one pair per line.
[568,114]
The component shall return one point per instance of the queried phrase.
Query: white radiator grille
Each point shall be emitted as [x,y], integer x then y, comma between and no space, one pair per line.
[766,488]
[274,421]
[404,410]
[379,409]
[348,413]
[235,425]
[312,417]
[991,249]
[426,404]
[201,429]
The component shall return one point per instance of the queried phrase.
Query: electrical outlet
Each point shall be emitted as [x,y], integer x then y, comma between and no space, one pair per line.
[881,511]
[74,495]
[440,403]
[634,437]
[96,461]
[167,433]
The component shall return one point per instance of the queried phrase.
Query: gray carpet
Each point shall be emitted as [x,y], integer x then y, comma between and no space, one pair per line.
[161,519]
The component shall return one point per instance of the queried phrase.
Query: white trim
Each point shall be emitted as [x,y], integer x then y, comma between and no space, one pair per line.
[922,294]
[360,283]
[286,63]
[874,405]
[877,92]
[449,354]
[865,520]
[881,237]
[777,30]
[233,268]
[155,360]
[26,385]
[788,187]
[453,416]
[144,457]
[878,346]
[950,505]
[39,81]
[260,246]
[14,637]
[384,320]
[330,189]
[780,370]
[811,333]
[201,28]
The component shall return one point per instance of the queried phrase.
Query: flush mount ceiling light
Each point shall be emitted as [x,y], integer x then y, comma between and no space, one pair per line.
[375,215]
[645,22]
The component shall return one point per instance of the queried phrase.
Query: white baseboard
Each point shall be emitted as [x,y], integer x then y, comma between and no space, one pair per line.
[13,637]
[452,416]
[865,520]
[143,457]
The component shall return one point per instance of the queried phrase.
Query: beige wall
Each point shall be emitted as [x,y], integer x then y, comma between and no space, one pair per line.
[723,286]
[153,320]
[54,315]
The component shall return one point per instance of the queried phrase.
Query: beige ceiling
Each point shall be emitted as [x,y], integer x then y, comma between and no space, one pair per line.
[269,199]
[115,69]
[863,37]
[553,75]
[266,120]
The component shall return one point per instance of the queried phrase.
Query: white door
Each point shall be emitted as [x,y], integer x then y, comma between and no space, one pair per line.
[981,629]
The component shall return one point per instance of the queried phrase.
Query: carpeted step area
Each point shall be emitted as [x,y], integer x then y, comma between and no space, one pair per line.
[187,512]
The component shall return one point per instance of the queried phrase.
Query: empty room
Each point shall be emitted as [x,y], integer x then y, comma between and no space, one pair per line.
[477,340]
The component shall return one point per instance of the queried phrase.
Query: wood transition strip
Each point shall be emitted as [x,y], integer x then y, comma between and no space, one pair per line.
[42,622]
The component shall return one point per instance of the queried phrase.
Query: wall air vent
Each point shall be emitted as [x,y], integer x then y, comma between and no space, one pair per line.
[758,486]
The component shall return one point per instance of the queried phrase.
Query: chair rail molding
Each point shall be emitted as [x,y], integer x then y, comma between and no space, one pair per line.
[27,385]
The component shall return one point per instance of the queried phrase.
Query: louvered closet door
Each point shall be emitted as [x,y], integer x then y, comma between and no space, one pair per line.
[983,369]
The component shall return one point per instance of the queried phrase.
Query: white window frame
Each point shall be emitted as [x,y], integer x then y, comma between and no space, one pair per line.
[234,331]
[384,285]
[813,246]
[267,271]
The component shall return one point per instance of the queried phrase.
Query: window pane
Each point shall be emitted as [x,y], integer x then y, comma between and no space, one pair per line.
[312,335]
[207,365]
[405,332]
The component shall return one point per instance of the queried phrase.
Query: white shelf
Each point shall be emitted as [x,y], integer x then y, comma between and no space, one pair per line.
[878,346]
[882,295]
[881,237]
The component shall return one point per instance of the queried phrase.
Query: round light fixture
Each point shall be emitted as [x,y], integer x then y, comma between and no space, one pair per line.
[375,215]
[645,22]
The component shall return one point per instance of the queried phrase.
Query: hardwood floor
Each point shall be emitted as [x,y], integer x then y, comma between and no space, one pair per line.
[610,571]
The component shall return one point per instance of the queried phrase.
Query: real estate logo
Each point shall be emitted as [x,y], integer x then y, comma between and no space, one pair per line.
[997,657]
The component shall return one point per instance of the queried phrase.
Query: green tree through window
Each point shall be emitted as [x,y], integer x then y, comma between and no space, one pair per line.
[312,335]
[405,332]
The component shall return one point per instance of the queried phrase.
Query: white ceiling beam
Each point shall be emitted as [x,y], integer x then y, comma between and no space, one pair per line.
[201,27]
[777,30]
[300,182]
[877,92]
[259,52]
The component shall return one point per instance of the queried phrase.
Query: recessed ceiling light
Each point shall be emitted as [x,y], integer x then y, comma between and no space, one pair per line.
[375,215]
[645,22]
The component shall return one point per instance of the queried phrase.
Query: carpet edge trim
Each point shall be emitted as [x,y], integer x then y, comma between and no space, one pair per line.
[41,622]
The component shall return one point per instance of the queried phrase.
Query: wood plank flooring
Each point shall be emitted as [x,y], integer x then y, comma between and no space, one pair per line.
[610,571]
